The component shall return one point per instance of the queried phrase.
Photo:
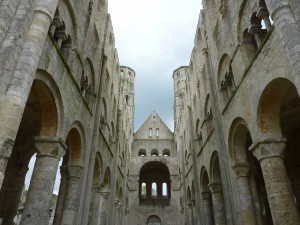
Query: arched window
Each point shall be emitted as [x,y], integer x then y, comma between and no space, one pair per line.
[166,152]
[144,190]
[155,178]
[153,220]
[142,152]
[154,190]
[154,152]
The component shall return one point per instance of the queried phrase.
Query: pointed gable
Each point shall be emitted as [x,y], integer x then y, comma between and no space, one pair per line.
[153,128]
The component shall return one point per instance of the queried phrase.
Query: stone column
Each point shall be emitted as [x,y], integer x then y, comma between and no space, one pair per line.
[191,213]
[218,203]
[61,196]
[245,205]
[14,100]
[49,152]
[270,154]
[207,208]
[70,210]
[95,204]
[103,208]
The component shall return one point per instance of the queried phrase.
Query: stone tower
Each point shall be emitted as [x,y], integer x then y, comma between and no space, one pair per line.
[154,175]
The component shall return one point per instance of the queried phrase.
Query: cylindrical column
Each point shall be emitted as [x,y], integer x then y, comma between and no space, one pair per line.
[218,203]
[70,210]
[270,153]
[61,196]
[245,207]
[14,101]
[207,208]
[103,208]
[36,209]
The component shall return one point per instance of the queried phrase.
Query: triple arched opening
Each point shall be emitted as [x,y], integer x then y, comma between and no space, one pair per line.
[154,184]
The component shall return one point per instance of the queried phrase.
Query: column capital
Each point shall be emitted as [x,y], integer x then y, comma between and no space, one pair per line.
[190,204]
[268,148]
[215,187]
[50,146]
[241,169]
[74,171]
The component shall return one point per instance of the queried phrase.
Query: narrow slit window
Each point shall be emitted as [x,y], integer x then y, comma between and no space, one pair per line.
[157,132]
[165,190]
[154,190]
[150,132]
[143,191]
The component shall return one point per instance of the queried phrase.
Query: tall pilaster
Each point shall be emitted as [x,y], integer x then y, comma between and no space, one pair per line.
[270,153]
[49,152]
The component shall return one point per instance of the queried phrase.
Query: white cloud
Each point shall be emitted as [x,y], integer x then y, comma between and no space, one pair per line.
[154,37]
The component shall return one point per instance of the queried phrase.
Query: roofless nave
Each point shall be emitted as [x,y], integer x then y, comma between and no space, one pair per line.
[233,158]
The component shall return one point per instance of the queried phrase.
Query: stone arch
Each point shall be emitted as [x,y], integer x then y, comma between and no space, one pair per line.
[74,142]
[216,189]
[241,21]
[47,80]
[276,94]
[142,152]
[106,180]
[206,197]
[41,120]
[253,202]
[215,172]
[67,14]
[154,172]
[153,220]
[87,81]
[154,152]
[238,139]
[225,79]
[166,152]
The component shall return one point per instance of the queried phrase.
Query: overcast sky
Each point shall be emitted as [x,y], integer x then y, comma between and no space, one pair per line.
[154,37]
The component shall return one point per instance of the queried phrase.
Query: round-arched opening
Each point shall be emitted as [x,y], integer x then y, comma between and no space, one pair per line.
[154,184]
[166,152]
[239,141]
[153,220]
[154,152]
[74,146]
[40,118]
[142,152]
